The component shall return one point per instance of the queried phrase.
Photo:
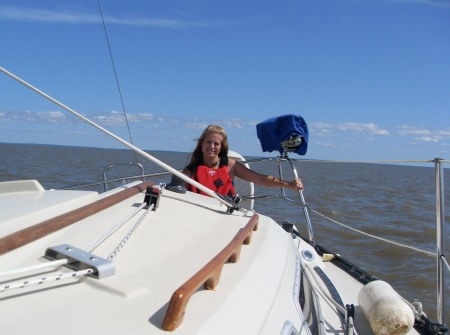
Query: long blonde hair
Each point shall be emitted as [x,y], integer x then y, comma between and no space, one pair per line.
[197,155]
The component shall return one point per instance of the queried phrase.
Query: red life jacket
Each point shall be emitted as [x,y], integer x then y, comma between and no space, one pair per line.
[217,180]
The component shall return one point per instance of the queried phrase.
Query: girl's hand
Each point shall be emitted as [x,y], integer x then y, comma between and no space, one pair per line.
[296,184]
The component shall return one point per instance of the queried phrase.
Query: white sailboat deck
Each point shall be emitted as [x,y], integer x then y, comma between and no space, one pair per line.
[164,250]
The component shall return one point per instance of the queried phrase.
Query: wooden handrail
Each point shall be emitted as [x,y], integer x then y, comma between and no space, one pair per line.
[30,234]
[208,276]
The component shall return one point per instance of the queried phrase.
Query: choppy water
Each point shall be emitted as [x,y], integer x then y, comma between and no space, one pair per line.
[394,202]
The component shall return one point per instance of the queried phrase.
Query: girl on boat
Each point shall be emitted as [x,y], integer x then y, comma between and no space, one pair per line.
[211,166]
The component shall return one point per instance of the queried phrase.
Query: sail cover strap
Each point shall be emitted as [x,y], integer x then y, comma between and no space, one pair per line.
[273,132]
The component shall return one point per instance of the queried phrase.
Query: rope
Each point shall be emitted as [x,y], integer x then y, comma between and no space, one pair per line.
[129,234]
[33,268]
[42,280]
[259,160]
[114,229]
[37,281]
[416,306]
[446,263]
[429,253]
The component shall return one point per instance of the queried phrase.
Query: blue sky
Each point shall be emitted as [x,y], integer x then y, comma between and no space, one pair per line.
[370,77]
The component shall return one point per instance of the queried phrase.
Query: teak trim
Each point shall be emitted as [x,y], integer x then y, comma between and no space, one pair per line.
[30,234]
[208,276]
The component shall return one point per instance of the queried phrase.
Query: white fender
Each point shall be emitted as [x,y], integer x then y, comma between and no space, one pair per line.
[384,308]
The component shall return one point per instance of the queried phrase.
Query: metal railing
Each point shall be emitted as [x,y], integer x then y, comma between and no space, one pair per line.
[440,239]
[125,180]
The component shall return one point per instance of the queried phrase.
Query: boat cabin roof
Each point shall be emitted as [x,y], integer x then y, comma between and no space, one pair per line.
[25,202]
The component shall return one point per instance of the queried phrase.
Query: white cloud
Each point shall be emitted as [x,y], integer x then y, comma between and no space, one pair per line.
[139,117]
[192,127]
[368,128]
[12,13]
[424,134]
[326,144]
[112,119]
[53,117]
[197,125]
[29,116]
[41,15]
[116,118]
[228,124]
[327,128]
[428,139]
[405,130]
[26,115]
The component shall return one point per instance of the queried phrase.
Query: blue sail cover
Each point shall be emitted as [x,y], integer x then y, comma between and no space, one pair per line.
[272,132]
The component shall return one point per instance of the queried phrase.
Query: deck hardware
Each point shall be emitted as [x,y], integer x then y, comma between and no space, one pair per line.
[177,185]
[80,260]
[349,323]
[292,143]
[429,327]
[234,200]
[152,196]
[307,255]
[288,226]
[288,328]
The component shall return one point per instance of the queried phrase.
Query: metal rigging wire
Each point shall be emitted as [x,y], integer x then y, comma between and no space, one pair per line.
[115,75]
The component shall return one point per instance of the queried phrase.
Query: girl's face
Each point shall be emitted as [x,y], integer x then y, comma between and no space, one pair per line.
[211,145]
